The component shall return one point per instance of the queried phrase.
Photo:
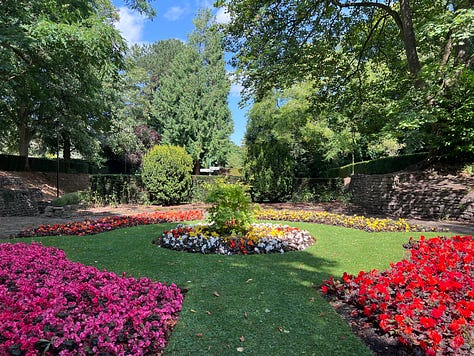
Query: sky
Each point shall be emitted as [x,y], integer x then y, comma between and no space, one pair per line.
[174,19]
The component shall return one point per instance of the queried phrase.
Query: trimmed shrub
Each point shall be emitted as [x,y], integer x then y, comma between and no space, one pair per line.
[166,174]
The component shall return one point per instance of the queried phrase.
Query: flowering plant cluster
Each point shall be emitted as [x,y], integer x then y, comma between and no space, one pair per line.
[50,305]
[97,226]
[259,239]
[354,222]
[427,301]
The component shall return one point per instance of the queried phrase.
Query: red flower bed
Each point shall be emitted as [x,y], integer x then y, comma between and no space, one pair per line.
[91,227]
[52,306]
[427,301]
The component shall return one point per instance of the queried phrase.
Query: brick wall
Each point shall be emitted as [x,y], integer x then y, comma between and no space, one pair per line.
[425,195]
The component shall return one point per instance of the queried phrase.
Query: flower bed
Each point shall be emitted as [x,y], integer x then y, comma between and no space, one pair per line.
[354,222]
[260,239]
[427,301]
[91,227]
[50,305]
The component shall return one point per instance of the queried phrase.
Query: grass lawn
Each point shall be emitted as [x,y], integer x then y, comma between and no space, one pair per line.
[264,304]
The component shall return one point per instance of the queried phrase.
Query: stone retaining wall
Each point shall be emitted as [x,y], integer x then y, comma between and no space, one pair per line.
[15,200]
[422,195]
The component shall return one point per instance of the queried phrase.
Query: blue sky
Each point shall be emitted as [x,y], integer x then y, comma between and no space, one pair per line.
[174,20]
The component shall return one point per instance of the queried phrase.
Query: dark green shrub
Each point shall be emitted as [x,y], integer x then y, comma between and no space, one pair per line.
[112,189]
[231,208]
[166,174]
[319,190]
[269,170]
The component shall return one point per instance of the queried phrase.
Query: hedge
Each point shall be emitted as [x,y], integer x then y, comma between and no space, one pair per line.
[17,164]
[117,189]
[378,166]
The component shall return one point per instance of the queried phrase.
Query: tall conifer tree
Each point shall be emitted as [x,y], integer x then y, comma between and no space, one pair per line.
[191,103]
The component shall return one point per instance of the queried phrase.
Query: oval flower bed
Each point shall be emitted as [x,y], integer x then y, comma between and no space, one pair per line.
[427,301]
[97,226]
[50,305]
[260,239]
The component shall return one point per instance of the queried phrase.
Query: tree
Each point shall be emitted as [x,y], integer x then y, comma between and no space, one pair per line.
[132,130]
[57,57]
[278,43]
[191,103]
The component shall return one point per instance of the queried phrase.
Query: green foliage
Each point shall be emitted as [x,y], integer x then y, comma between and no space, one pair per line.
[59,59]
[114,189]
[270,158]
[190,106]
[379,88]
[269,171]
[166,174]
[74,198]
[311,190]
[377,166]
[231,208]
[17,163]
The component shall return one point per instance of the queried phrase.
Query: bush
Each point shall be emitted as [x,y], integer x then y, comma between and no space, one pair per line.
[269,170]
[166,174]
[112,189]
[69,199]
[231,209]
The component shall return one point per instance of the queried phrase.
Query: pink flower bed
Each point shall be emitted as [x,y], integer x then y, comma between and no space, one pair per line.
[91,227]
[50,305]
[427,301]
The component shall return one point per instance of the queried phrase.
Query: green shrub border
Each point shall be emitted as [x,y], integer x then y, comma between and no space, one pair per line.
[112,189]
[129,189]
[377,166]
[17,164]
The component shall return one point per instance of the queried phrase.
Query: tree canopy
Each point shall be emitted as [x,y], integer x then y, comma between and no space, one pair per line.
[401,63]
[56,60]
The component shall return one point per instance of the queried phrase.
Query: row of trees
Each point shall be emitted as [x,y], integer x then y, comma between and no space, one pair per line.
[335,81]
[68,77]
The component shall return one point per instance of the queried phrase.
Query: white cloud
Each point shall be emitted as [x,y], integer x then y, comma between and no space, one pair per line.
[174,13]
[222,16]
[236,89]
[236,86]
[130,25]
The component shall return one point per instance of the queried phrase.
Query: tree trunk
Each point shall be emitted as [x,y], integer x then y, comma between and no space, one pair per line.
[409,40]
[197,167]
[66,151]
[25,135]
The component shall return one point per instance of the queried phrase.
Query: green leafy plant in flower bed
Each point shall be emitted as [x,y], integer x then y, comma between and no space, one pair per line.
[353,222]
[97,226]
[427,300]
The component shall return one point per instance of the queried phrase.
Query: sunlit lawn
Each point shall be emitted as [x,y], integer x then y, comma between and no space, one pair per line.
[258,305]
